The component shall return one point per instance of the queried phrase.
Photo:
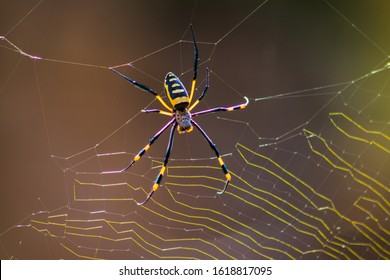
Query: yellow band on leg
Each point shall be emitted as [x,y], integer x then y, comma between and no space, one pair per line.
[155,187]
[192,89]
[228,176]
[163,103]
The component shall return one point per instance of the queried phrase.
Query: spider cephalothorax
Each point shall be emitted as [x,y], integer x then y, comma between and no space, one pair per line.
[180,110]
[183,119]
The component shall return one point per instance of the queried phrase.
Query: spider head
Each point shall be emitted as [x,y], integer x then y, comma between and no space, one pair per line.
[183,119]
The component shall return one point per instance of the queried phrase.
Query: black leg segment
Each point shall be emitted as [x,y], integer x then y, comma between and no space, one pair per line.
[162,171]
[214,148]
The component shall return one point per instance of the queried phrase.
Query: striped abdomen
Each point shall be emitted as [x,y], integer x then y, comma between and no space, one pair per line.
[176,92]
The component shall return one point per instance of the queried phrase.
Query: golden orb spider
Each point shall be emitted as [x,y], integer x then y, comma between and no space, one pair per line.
[182,117]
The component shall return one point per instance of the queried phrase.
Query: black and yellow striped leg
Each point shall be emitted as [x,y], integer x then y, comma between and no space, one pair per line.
[151,141]
[222,164]
[196,59]
[143,87]
[162,171]
[232,108]
[203,93]
[135,83]
[162,112]
[196,53]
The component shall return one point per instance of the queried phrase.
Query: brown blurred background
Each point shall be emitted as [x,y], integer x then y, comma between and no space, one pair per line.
[59,114]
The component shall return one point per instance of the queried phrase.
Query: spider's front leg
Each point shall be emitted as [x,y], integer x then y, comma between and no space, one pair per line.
[142,87]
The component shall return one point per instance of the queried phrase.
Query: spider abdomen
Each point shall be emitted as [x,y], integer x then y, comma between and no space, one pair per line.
[176,92]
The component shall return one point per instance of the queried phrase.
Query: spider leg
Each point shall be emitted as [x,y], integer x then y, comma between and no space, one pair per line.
[151,141]
[162,170]
[214,148]
[203,93]
[144,88]
[158,111]
[196,59]
[232,108]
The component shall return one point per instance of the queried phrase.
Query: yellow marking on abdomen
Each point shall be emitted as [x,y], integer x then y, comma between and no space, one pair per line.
[179,100]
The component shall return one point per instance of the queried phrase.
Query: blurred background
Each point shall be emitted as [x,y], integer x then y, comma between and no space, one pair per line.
[309,156]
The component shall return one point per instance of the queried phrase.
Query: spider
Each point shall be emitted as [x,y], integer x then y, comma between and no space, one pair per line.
[180,110]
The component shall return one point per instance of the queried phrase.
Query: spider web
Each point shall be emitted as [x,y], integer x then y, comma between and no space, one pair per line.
[309,156]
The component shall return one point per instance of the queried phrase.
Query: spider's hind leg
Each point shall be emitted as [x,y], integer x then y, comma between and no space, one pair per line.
[162,171]
[225,187]
[147,198]
[220,160]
